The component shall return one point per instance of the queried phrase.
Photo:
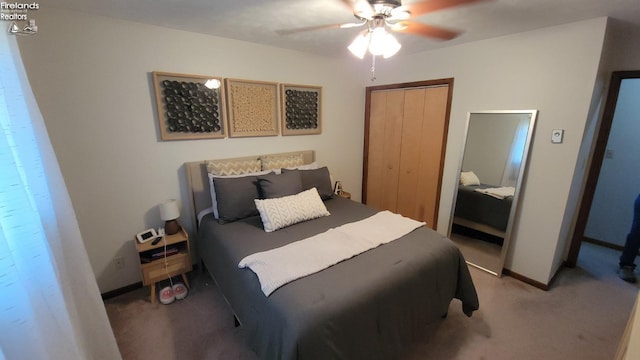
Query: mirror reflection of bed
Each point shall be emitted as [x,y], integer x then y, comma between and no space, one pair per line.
[490,179]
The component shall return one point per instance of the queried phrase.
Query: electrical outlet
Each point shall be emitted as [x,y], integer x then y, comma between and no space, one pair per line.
[118,263]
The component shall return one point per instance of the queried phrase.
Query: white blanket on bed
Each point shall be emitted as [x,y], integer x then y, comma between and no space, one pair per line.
[282,265]
[499,192]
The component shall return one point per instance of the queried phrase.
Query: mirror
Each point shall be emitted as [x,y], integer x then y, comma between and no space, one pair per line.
[490,179]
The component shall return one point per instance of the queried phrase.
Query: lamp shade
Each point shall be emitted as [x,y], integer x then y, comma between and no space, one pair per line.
[383,43]
[378,41]
[169,210]
[359,45]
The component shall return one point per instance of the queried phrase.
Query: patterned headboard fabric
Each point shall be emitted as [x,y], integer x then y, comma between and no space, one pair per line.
[198,180]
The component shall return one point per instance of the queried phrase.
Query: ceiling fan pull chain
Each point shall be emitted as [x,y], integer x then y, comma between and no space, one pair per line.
[373,68]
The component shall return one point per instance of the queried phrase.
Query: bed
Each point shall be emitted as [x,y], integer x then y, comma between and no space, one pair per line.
[373,305]
[482,212]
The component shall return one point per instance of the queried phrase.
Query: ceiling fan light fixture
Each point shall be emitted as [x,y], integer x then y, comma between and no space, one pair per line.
[392,47]
[383,43]
[360,45]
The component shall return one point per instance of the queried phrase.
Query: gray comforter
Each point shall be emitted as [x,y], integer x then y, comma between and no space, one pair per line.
[369,307]
[482,208]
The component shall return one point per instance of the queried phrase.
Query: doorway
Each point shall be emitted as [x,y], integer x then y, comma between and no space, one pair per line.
[599,155]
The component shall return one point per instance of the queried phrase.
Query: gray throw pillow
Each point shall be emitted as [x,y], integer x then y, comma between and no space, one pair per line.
[316,178]
[236,197]
[279,185]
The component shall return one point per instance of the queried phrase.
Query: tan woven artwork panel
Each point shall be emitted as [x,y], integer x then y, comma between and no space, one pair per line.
[253,108]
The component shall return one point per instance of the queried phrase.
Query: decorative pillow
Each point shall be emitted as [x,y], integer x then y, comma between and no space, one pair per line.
[235,197]
[275,186]
[312,166]
[212,188]
[233,167]
[468,178]
[316,178]
[282,212]
[271,162]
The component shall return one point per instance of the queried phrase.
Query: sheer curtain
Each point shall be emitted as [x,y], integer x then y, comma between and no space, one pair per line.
[50,305]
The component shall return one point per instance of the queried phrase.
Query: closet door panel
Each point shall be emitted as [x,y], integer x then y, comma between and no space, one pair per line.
[434,131]
[375,159]
[408,181]
[381,193]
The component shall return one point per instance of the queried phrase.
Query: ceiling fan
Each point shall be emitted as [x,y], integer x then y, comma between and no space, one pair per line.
[380,15]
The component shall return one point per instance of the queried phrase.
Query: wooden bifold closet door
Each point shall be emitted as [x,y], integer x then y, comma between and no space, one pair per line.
[405,137]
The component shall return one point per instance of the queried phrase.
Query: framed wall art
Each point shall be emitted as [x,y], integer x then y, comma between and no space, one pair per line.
[253,108]
[301,109]
[189,106]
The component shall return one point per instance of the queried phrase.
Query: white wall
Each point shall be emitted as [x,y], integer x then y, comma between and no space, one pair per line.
[553,70]
[91,78]
[618,184]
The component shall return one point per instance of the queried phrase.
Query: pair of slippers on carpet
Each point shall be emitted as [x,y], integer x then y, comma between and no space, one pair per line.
[171,293]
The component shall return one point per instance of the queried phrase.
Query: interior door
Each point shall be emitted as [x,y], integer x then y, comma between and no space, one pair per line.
[405,137]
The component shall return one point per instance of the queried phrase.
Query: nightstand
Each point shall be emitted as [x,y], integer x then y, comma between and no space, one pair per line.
[156,268]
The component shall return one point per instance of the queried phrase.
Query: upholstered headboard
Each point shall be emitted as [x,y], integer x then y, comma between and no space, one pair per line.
[198,180]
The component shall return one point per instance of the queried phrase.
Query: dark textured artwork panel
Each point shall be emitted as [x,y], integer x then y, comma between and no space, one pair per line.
[301,109]
[191,107]
[187,108]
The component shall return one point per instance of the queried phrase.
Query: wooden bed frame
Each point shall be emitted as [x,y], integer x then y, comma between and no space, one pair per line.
[199,196]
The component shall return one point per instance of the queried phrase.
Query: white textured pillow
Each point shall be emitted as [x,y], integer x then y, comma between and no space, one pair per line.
[288,210]
[469,178]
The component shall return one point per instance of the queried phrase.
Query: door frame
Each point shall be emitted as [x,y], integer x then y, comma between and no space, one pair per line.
[408,85]
[596,162]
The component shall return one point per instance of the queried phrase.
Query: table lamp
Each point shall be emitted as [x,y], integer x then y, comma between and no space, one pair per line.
[169,212]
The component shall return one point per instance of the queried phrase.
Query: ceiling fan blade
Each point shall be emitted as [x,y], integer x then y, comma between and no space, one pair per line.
[416,28]
[361,8]
[311,28]
[428,6]
[352,25]
[348,3]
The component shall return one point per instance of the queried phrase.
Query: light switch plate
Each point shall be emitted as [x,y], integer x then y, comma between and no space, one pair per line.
[557,135]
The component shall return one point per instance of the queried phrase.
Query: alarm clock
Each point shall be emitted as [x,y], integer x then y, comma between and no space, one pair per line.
[147,235]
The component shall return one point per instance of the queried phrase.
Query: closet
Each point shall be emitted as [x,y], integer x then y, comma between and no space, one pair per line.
[405,138]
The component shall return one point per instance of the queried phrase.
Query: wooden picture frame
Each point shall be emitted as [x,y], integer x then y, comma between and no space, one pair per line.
[187,109]
[301,107]
[252,108]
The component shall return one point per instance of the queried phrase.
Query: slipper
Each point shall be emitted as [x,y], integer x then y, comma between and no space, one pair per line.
[167,295]
[180,291]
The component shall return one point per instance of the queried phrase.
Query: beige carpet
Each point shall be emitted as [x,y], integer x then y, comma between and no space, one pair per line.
[582,317]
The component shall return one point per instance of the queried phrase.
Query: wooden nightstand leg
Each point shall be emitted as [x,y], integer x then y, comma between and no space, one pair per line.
[153,293]
[186,281]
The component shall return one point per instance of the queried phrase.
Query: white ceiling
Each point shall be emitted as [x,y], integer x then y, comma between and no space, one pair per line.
[257,20]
